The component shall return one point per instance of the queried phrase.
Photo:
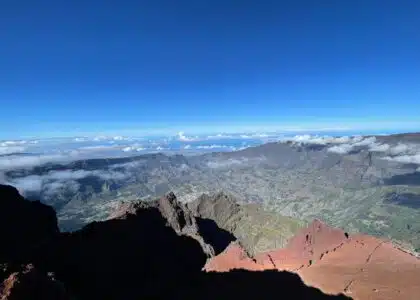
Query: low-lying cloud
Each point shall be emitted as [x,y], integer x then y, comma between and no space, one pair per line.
[19,161]
[213,146]
[56,180]
[183,138]
[224,163]
[5,150]
[400,152]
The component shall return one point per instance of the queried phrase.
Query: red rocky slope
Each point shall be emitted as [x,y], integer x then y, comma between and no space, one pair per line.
[359,266]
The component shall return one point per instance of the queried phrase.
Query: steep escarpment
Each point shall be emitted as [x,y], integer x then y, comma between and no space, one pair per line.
[256,229]
[147,251]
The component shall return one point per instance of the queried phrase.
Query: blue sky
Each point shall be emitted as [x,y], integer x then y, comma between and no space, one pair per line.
[90,67]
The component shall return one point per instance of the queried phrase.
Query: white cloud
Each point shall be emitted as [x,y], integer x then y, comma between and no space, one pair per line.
[68,174]
[183,138]
[222,164]
[11,149]
[100,138]
[119,138]
[186,147]
[370,141]
[212,147]
[98,148]
[80,139]
[219,136]
[32,183]
[56,180]
[12,143]
[407,159]
[341,149]
[130,166]
[320,140]
[380,148]
[255,136]
[110,138]
[245,136]
[400,149]
[52,188]
[16,161]
[404,153]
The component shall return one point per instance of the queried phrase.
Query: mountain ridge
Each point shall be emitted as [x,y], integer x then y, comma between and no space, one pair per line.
[138,254]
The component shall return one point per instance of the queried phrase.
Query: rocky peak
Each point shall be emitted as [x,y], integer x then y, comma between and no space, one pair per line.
[176,214]
[219,207]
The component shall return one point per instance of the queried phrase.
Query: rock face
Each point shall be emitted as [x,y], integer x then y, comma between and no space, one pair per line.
[256,230]
[147,251]
[360,266]
[182,221]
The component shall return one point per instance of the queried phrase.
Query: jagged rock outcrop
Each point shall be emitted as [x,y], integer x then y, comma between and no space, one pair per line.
[256,229]
[136,255]
[177,216]
[23,224]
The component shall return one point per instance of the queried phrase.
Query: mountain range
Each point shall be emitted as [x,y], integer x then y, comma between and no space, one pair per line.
[363,184]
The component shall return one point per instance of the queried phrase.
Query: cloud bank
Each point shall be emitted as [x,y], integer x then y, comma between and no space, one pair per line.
[55,181]
[400,152]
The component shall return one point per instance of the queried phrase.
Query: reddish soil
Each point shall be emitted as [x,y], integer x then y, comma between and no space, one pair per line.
[360,266]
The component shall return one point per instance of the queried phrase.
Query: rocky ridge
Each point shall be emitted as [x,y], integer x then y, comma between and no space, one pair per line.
[148,251]
[165,249]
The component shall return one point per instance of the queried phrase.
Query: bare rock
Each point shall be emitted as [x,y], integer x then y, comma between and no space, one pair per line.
[29,284]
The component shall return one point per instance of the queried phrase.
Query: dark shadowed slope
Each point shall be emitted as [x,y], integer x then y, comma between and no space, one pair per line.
[23,224]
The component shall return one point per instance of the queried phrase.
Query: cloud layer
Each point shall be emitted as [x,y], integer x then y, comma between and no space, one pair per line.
[55,181]
[399,152]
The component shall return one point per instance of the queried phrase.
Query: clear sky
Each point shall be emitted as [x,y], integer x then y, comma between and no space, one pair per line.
[71,67]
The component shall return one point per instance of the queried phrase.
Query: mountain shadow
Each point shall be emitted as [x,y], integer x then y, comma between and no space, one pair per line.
[404,199]
[267,285]
[214,235]
[404,179]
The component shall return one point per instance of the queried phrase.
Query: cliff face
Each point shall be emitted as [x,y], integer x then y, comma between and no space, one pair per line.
[257,230]
[147,251]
